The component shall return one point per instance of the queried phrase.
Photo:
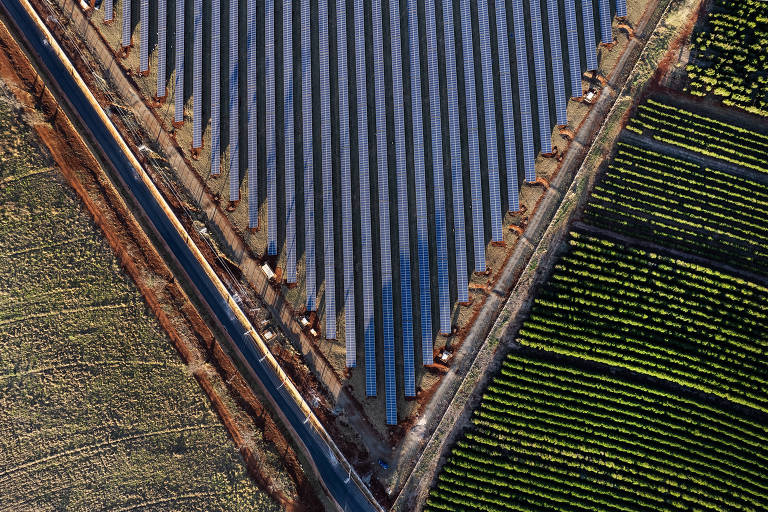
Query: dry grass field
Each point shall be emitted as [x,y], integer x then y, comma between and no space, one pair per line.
[97,411]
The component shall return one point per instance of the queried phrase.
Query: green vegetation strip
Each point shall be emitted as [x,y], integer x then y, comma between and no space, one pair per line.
[548,436]
[678,204]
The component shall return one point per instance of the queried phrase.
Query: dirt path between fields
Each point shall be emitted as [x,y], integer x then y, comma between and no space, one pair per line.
[236,405]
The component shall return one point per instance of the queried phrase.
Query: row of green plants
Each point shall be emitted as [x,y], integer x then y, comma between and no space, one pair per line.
[730,55]
[700,134]
[552,436]
[680,205]
[657,315]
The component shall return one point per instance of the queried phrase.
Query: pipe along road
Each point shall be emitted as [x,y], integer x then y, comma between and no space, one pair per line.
[335,478]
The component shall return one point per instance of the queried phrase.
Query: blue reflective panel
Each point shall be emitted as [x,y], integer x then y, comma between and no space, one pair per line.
[252,98]
[455,139]
[234,117]
[390,382]
[475,177]
[366,237]
[557,62]
[606,32]
[441,237]
[346,185]
[309,187]
[215,87]
[271,128]
[574,59]
[325,135]
[126,23]
[289,148]
[162,21]
[197,78]
[521,52]
[178,88]
[109,12]
[621,8]
[540,76]
[507,102]
[425,302]
[492,148]
[403,228]
[590,44]
[144,36]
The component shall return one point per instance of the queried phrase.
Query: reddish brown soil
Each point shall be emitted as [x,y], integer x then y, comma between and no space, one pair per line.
[178,317]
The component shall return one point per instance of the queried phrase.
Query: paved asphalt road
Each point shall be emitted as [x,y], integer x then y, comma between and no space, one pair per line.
[349,497]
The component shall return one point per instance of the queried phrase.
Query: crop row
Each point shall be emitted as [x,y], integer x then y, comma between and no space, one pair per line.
[730,55]
[700,134]
[549,436]
[675,203]
[656,315]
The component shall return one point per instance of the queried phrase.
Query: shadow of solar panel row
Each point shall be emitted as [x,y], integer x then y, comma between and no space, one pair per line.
[425,184]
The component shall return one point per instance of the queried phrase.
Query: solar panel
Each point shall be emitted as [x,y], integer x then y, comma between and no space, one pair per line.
[492,148]
[271,128]
[422,230]
[197,76]
[215,87]
[309,187]
[144,36]
[590,45]
[621,8]
[366,237]
[325,134]
[162,21]
[507,103]
[252,98]
[475,177]
[523,90]
[438,190]
[606,32]
[346,185]
[455,139]
[403,223]
[556,54]
[540,76]
[574,60]
[109,13]
[178,88]
[234,103]
[126,24]
[290,174]
[390,382]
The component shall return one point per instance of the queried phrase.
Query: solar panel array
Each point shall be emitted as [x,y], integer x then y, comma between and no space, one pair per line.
[606,32]
[270,76]
[109,13]
[288,147]
[417,151]
[126,24]
[621,8]
[346,186]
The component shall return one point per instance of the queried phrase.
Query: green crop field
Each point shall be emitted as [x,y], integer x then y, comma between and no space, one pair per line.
[730,55]
[97,411]
[681,205]
[550,436]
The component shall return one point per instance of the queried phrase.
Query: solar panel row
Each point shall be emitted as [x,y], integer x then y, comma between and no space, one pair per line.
[588,25]
[390,383]
[457,179]
[288,147]
[621,8]
[309,188]
[162,21]
[508,109]
[109,12]
[574,59]
[422,231]
[126,24]
[526,117]
[215,87]
[556,54]
[144,36]
[403,222]
[197,75]
[178,87]
[606,32]
[366,238]
[436,136]
[540,76]
[346,186]
[492,148]
[252,99]
[270,76]
[234,102]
